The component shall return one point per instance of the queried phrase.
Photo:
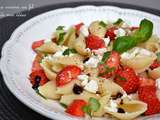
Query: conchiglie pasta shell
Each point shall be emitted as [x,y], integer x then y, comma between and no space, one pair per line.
[68,99]
[155,73]
[80,45]
[68,88]
[133,108]
[57,67]
[96,29]
[47,69]
[48,90]
[49,47]
[139,64]
[68,60]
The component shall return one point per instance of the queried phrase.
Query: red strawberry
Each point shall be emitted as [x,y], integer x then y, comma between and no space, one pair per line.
[147,94]
[110,33]
[67,74]
[94,42]
[78,26]
[75,108]
[36,63]
[37,44]
[155,64]
[127,79]
[112,63]
[39,77]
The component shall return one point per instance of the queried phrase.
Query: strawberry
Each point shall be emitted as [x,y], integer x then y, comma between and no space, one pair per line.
[147,94]
[38,77]
[155,64]
[110,65]
[146,82]
[110,33]
[67,74]
[75,108]
[127,79]
[36,63]
[94,42]
[37,44]
[78,26]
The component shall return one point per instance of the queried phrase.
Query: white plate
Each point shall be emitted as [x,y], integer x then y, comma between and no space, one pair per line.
[17,55]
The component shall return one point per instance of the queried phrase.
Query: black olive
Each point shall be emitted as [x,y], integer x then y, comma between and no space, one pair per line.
[120,110]
[118,95]
[37,78]
[121,103]
[35,86]
[85,59]
[77,89]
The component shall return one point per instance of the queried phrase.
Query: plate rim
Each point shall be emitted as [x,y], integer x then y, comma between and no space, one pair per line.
[11,39]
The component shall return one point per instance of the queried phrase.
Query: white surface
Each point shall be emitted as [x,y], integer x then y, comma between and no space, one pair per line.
[17,55]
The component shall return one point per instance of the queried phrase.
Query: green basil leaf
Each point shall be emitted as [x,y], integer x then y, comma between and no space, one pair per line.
[119,21]
[121,78]
[145,31]
[107,70]
[60,38]
[94,104]
[103,24]
[105,56]
[124,43]
[69,51]
[63,105]
[37,91]
[87,109]
[60,28]
[158,56]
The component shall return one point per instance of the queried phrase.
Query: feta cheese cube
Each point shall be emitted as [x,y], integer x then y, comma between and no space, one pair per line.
[120,32]
[92,62]
[112,106]
[100,51]
[91,86]
[106,41]
[158,83]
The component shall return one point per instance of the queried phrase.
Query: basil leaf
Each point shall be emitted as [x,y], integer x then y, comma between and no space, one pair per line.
[105,56]
[60,28]
[119,21]
[69,51]
[87,110]
[63,105]
[121,78]
[158,56]
[107,70]
[124,43]
[60,38]
[94,104]
[37,91]
[103,24]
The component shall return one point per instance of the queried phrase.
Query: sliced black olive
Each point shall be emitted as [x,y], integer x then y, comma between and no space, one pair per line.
[77,89]
[118,95]
[35,86]
[37,78]
[85,60]
[120,110]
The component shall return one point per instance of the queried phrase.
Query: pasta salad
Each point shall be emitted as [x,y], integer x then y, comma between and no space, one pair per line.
[106,68]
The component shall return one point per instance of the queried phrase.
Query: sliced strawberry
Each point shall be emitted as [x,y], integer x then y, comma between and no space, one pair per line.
[38,77]
[146,82]
[148,95]
[37,44]
[78,26]
[127,79]
[110,33]
[111,64]
[67,74]
[155,64]
[94,42]
[36,63]
[75,108]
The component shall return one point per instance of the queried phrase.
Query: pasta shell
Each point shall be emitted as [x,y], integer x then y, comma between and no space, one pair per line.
[132,108]
[57,67]
[46,67]
[70,37]
[49,47]
[80,45]
[48,90]
[68,88]
[155,73]
[68,99]
[96,29]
